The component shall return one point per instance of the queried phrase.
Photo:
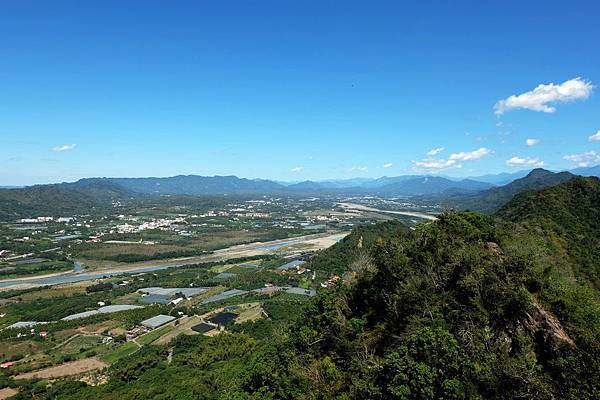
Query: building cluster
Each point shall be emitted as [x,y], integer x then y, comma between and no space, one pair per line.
[160,223]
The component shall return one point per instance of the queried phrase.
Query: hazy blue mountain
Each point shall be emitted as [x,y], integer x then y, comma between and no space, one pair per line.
[192,185]
[345,183]
[431,185]
[390,180]
[587,171]
[306,185]
[501,178]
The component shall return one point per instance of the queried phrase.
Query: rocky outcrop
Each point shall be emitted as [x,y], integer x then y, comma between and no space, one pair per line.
[544,325]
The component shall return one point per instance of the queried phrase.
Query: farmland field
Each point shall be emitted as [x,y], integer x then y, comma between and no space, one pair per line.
[66,369]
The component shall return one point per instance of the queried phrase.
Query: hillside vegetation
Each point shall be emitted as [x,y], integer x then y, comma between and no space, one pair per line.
[492,199]
[567,218]
[467,307]
[61,199]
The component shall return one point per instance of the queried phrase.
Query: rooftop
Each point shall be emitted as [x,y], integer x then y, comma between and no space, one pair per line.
[158,320]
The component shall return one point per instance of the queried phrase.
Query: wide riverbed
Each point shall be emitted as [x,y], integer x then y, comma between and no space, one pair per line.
[360,207]
[309,242]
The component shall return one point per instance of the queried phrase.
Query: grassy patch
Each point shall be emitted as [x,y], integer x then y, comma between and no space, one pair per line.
[120,352]
[155,334]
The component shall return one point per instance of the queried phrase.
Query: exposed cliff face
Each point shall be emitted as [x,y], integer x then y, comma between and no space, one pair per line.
[544,325]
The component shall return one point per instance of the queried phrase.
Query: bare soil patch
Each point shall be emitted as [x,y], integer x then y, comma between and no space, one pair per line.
[66,369]
[7,392]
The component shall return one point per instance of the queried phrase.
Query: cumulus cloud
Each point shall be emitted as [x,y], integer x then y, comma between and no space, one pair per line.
[595,137]
[532,142]
[540,98]
[453,161]
[524,162]
[584,159]
[64,147]
[388,165]
[470,155]
[434,152]
[297,169]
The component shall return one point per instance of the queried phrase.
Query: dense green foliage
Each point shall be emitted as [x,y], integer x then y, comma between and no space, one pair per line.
[50,199]
[568,215]
[467,307]
[337,259]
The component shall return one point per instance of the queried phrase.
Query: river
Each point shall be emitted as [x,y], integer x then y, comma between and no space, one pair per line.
[238,251]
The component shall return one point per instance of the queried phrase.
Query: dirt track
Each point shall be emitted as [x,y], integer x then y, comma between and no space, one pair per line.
[7,392]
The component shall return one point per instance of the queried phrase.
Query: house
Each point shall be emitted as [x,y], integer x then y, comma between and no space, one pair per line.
[177,301]
[7,364]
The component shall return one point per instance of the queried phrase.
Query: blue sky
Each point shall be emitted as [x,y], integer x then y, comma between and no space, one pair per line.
[295,90]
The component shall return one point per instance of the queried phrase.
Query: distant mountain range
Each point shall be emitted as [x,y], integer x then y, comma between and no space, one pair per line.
[409,185]
[478,193]
[192,185]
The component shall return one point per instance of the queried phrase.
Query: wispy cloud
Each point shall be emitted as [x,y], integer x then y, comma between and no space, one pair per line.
[524,162]
[358,168]
[435,152]
[436,165]
[595,137]
[584,159]
[532,142]
[297,169]
[541,98]
[388,165]
[64,147]
[454,161]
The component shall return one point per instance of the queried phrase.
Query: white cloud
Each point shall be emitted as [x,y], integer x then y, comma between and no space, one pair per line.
[388,165]
[584,159]
[436,164]
[297,169]
[524,162]
[470,155]
[540,98]
[452,162]
[532,142]
[595,137]
[64,147]
[358,168]
[434,152]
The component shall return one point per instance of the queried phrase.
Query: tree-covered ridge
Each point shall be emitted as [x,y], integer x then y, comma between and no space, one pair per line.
[568,218]
[470,306]
[61,198]
[348,251]
[492,199]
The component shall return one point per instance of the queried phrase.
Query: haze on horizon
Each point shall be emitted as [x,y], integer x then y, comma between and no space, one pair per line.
[296,91]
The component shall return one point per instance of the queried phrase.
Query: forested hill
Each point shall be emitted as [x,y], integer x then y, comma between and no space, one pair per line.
[65,199]
[470,306]
[568,216]
[492,199]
